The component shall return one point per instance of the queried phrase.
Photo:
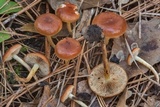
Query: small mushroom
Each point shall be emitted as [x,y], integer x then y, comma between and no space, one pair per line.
[131,59]
[48,25]
[36,60]
[68,13]
[12,53]
[112,24]
[68,94]
[67,49]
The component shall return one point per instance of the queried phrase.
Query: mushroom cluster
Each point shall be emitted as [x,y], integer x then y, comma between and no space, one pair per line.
[36,60]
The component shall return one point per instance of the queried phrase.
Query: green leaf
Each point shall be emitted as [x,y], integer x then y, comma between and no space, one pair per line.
[10,7]
[4,36]
[2,3]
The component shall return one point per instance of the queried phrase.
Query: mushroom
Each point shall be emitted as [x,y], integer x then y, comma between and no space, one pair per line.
[68,13]
[106,79]
[107,87]
[112,24]
[12,53]
[68,94]
[36,60]
[48,25]
[67,49]
[131,59]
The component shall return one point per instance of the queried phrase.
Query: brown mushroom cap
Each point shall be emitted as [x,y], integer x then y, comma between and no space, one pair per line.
[48,24]
[14,50]
[67,12]
[67,48]
[108,87]
[67,92]
[39,59]
[113,25]
[135,52]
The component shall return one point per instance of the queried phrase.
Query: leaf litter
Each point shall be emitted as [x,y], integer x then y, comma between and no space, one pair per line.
[143,32]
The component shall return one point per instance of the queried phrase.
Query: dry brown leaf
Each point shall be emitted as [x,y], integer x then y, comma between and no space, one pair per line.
[83,87]
[44,99]
[122,100]
[85,5]
[152,102]
[149,45]
[27,27]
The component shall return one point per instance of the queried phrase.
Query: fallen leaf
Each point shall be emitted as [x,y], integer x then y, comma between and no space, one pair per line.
[9,7]
[152,102]
[149,45]
[83,87]
[122,100]
[44,99]
[85,4]
[92,3]
[4,36]
[27,27]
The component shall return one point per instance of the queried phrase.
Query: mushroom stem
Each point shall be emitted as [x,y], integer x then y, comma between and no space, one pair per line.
[106,40]
[71,96]
[49,38]
[17,58]
[30,75]
[67,62]
[148,66]
[69,27]
[105,60]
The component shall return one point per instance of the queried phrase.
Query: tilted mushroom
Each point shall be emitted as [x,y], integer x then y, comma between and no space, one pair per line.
[135,57]
[48,25]
[68,94]
[12,53]
[68,13]
[36,60]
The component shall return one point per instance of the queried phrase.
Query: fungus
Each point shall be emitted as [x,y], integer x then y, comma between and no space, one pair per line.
[36,60]
[68,94]
[112,24]
[48,25]
[12,53]
[67,49]
[68,13]
[135,53]
[107,79]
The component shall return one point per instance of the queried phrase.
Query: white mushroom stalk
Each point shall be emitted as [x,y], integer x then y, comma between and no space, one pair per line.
[12,53]
[68,94]
[71,96]
[135,53]
[148,66]
[17,58]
